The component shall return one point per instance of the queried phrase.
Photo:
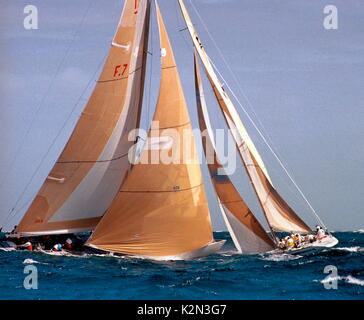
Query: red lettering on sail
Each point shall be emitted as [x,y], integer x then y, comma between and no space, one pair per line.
[125,67]
[117,70]
[135,6]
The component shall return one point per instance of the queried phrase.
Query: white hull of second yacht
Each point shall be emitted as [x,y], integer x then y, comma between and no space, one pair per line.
[325,242]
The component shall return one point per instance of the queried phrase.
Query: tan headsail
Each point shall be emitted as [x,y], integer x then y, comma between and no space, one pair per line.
[161,209]
[279,215]
[247,233]
[88,173]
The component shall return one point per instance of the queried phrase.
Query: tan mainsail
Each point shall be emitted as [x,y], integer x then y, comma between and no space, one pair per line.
[161,209]
[247,233]
[89,172]
[279,215]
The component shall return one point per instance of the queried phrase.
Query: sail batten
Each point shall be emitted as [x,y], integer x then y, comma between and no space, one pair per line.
[161,209]
[93,162]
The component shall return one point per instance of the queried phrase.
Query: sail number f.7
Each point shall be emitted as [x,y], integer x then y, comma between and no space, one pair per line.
[120,70]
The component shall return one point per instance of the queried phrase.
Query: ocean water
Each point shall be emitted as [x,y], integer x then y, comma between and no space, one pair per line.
[222,276]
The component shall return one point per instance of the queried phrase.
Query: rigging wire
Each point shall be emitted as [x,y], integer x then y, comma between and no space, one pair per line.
[188,44]
[275,154]
[151,64]
[178,18]
[39,107]
[150,51]
[249,104]
[14,212]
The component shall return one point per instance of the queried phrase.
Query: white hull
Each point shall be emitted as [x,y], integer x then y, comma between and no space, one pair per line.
[48,232]
[211,248]
[324,243]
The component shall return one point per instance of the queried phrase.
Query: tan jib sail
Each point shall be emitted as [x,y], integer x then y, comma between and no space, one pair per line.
[279,215]
[161,210]
[247,233]
[88,173]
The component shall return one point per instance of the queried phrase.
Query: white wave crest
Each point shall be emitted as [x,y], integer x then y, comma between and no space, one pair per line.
[31,261]
[281,257]
[352,280]
[329,279]
[348,279]
[351,249]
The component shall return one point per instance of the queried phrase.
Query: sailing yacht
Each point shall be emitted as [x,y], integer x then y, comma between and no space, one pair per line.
[155,210]
[279,215]
[91,168]
[161,211]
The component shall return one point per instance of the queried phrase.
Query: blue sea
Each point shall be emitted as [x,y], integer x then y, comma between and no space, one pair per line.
[223,276]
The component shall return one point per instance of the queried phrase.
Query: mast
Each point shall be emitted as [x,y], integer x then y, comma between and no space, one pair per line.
[88,173]
[161,209]
[277,212]
[247,233]
[223,98]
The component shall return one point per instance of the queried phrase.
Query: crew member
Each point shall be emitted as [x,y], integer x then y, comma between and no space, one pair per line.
[26,246]
[69,244]
[320,232]
[57,247]
[297,239]
[310,238]
[281,244]
[289,243]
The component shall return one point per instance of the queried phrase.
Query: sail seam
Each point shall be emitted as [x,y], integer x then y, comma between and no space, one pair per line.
[93,161]
[112,80]
[171,67]
[11,213]
[180,125]
[232,201]
[163,191]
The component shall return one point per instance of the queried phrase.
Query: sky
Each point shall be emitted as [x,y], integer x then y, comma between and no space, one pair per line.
[301,83]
